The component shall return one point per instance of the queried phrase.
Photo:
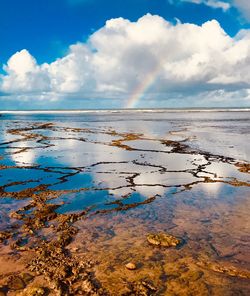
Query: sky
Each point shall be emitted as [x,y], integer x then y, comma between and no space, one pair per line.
[103,54]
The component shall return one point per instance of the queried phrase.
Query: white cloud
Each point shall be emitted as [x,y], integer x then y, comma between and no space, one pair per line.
[211,3]
[218,4]
[243,6]
[23,74]
[151,57]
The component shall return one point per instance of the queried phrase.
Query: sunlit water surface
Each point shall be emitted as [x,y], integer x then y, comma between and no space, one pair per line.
[136,173]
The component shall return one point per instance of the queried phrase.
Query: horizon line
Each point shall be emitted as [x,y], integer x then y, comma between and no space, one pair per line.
[226,109]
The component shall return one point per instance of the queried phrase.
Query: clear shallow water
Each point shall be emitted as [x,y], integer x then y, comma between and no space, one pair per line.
[134,173]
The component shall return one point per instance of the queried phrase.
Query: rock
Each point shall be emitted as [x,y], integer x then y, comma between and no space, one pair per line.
[33,291]
[16,283]
[4,235]
[163,239]
[143,288]
[195,275]
[149,286]
[75,249]
[130,266]
[27,277]
[2,293]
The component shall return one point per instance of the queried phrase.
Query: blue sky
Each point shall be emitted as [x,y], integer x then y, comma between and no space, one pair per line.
[47,27]
[36,33]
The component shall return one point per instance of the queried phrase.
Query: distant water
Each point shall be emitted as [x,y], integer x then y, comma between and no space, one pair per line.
[219,131]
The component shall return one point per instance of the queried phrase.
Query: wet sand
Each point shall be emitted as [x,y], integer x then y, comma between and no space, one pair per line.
[84,201]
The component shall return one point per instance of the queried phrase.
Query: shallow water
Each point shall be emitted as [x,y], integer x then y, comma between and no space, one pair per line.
[121,176]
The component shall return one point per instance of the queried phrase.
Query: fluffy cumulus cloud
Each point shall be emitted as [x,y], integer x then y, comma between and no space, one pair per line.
[24,75]
[151,59]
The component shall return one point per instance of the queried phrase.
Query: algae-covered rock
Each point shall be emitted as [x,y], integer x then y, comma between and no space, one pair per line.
[163,239]
[16,283]
[27,277]
[33,291]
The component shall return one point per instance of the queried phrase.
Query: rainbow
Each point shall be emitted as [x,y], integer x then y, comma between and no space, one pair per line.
[140,90]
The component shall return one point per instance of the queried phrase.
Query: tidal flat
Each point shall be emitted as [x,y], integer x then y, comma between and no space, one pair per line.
[125,203]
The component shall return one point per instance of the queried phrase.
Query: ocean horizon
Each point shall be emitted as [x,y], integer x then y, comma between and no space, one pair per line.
[155,110]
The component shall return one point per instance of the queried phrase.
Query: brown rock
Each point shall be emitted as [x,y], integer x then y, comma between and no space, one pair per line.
[2,293]
[195,275]
[16,283]
[130,266]
[27,277]
[163,239]
[33,291]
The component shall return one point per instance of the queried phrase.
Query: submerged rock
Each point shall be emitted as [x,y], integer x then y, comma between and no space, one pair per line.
[16,283]
[143,288]
[33,291]
[27,277]
[130,266]
[2,293]
[163,239]
[4,235]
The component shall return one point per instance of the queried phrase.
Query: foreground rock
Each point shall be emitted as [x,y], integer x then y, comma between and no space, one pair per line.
[33,291]
[163,239]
